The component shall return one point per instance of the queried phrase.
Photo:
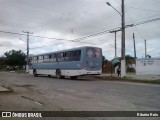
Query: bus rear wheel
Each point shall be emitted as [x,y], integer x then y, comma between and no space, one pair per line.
[73,77]
[35,72]
[58,74]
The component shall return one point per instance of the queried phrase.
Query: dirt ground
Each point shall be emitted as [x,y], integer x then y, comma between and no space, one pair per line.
[30,93]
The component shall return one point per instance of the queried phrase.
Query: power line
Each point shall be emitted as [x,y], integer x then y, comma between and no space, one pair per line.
[106,31]
[11,33]
[135,26]
[88,36]
[69,10]
[44,37]
[135,8]
[39,6]
[148,17]
[147,21]
[143,4]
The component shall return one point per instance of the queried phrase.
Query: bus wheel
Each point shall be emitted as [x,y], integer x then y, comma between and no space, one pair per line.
[73,77]
[49,75]
[62,77]
[58,74]
[35,72]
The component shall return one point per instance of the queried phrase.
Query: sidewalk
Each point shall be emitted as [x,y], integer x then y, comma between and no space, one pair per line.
[2,89]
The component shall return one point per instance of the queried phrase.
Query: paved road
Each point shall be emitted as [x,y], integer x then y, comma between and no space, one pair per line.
[48,93]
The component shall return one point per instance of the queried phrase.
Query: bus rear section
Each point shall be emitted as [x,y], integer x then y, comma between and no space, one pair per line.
[93,61]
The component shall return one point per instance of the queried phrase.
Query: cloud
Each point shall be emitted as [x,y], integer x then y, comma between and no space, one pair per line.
[73,19]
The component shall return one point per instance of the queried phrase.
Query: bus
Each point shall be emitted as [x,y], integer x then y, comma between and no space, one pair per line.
[71,62]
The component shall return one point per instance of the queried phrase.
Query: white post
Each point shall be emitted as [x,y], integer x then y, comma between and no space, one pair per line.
[27,68]
[123,68]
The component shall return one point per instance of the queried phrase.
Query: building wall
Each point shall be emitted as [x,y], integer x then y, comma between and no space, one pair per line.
[148,66]
[107,67]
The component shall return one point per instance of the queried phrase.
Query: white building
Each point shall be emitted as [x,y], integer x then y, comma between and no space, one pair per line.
[148,66]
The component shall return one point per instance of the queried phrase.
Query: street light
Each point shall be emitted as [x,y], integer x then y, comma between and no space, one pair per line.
[123,63]
[113,8]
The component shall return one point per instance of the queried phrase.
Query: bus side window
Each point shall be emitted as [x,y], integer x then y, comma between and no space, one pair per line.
[35,59]
[53,58]
[69,56]
[77,56]
[32,59]
[60,57]
[46,58]
[40,59]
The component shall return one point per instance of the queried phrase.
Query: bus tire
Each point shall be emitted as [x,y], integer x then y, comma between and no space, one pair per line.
[62,77]
[58,74]
[35,73]
[73,77]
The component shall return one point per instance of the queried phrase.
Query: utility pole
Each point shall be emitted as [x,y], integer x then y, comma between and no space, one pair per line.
[123,62]
[115,31]
[134,46]
[145,49]
[27,66]
[115,44]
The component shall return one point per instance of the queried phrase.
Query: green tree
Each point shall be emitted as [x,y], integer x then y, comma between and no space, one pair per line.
[15,58]
[129,60]
[148,56]
[2,62]
[103,58]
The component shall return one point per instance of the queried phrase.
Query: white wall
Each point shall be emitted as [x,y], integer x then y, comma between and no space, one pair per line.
[148,66]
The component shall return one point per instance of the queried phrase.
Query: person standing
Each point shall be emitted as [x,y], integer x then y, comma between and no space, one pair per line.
[119,71]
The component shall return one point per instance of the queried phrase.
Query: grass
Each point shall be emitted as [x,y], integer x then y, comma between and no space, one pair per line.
[120,79]
[20,71]
[16,71]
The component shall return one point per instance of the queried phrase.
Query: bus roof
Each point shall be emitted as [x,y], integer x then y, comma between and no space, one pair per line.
[63,50]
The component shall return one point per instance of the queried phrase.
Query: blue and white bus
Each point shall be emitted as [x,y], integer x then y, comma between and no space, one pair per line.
[72,62]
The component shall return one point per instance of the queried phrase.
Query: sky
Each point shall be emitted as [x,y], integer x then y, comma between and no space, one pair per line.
[65,21]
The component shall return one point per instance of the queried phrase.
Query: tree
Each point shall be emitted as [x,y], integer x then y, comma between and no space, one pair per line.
[2,62]
[103,58]
[148,56]
[15,58]
[129,60]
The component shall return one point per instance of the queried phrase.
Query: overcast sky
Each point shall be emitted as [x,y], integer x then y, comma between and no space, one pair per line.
[72,19]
